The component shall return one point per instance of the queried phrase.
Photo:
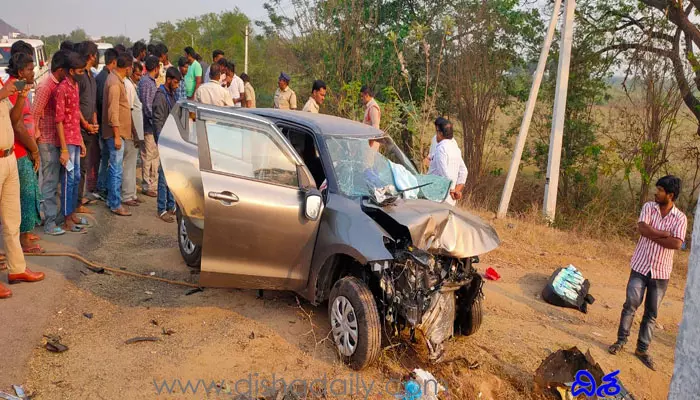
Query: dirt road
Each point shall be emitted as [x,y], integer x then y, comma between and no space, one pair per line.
[234,337]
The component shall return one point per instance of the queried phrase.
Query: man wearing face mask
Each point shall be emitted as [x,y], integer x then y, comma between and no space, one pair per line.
[49,147]
[71,141]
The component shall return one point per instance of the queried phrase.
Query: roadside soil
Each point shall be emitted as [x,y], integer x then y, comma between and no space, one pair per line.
[232,335]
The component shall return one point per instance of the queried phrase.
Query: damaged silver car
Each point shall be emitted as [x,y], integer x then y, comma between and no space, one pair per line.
[330,209]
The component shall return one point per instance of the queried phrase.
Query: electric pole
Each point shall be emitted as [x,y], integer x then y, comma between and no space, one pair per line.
[552,181]
[245,64]
[527,118]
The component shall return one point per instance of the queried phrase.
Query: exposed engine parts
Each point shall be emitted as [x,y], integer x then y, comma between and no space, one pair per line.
[419,293]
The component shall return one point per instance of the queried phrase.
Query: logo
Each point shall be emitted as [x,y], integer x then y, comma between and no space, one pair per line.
[585,384]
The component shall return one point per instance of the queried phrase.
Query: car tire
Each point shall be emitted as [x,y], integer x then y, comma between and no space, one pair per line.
[351,300]
[473,318]
[191,253]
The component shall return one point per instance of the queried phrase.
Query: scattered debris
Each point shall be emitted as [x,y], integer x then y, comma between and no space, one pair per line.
[251,336]
[154,322]
[659,326]
[557,373]
[54,345]
[568,288]
[152,274]
[260,294]
[597,334]
[142,339]
[19,391]
[97,270]
[492,274]
[422,379]
[122,268]
[83,272]
[168,332]
[193,291]
[8,396]
[148,292]
[88,315]
[511,226]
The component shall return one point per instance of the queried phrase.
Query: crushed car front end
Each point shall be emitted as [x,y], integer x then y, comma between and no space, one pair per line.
[431,285]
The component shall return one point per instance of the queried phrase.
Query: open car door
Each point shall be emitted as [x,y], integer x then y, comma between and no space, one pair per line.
[261,208]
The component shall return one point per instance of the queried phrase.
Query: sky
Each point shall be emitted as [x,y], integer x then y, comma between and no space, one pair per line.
[104,18]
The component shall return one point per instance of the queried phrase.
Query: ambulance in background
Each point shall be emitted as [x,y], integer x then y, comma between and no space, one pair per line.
[41,61]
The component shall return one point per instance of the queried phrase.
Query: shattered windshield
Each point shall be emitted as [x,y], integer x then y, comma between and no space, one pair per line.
[363,165]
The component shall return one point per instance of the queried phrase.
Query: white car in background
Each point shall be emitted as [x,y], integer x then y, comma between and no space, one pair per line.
[41,61]
[101,48]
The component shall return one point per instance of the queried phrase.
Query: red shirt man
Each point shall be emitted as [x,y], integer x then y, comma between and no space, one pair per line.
[68,111]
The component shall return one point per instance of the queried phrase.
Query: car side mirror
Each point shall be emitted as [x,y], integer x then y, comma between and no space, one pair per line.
[313,204]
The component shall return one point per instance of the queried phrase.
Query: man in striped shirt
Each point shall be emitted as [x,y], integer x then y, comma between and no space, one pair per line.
[662,227]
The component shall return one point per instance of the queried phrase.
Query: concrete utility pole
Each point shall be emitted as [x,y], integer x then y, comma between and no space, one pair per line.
[245,64]
[686,371]
[552,182]
[527,118]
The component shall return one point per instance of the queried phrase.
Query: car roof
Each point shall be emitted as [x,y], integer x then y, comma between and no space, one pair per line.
[33,42]
[104,45]
[326,125]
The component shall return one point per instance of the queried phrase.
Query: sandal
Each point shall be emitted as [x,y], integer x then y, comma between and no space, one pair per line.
[56,231]
[131,203]
[150,193]
[165,216]
[122,212]
[86,201]
[616,348]
[33,249]
[76,229]
[82,221]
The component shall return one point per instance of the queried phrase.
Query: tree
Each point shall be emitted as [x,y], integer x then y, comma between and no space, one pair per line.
[649,122]
[662,28]
[78,35]
[491,39]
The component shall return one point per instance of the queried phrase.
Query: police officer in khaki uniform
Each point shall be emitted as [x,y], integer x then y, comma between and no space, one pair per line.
[285,98]
[10,208]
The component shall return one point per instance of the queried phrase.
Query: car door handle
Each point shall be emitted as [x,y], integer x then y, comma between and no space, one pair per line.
[226,198]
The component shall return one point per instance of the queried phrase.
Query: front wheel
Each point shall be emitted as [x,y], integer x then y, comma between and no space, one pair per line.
[469,320]
[191,253]
[354,322]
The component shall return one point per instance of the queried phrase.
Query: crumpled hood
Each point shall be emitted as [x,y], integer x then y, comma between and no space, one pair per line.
[441,228]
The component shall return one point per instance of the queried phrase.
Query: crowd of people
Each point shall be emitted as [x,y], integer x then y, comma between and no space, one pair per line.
[81,138]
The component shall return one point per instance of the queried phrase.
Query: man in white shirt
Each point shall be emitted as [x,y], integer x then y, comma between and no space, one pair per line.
[215,56]
[130,148]
[447,161]
[234,84]
[318,95]
[212,92]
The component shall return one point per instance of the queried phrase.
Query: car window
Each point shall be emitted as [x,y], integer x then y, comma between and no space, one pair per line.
[248,152]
